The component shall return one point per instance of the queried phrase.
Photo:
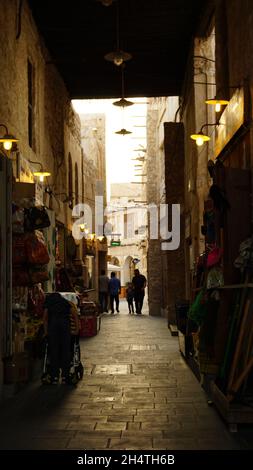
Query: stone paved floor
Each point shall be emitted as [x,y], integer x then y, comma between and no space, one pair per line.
[137,393]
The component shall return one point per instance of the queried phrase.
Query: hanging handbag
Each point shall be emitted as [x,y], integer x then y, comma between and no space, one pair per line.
[214,256]
[36,218]
[36,249]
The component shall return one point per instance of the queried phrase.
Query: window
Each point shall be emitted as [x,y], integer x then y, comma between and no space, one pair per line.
[129,225]
[70,181]
[76,184]
[30,84]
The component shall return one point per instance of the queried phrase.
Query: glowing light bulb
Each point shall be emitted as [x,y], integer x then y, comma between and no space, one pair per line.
[118,60]
[7,145]
[41,178]
[199,141]
[217,107]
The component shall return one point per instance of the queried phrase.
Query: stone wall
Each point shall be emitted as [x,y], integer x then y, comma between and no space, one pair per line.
[56,127]
[174,260]
[195,113]
[154,261]
[234,58]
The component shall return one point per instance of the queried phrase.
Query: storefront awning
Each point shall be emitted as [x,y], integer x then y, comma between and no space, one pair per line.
[113,267]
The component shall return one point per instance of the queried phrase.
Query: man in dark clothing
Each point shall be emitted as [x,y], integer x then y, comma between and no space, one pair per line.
[56,320]
[103,285]
[139,282]
[114,291]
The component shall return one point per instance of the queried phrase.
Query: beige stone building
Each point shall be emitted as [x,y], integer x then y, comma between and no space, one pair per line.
[128,220]
[36,108]
[164,186]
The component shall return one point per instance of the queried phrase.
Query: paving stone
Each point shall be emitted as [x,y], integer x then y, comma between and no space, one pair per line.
[131,444]
[133,426]
[120,417]
[160,425]
[92,419]
[137,393]
[112,425]
[88,443]
[82,425]
[124,409]
[109,434]
[142,433]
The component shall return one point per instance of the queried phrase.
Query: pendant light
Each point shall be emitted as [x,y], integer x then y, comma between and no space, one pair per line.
[106,3]
[118,56]
[123,103]
[123,131]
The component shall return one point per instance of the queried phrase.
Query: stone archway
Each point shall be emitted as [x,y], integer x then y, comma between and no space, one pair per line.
[115,261]
[128,269]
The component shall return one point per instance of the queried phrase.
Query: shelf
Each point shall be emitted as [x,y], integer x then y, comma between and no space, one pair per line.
[231,286]
[233,413]
[237,286]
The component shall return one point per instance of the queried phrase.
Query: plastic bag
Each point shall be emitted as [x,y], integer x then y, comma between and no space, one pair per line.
[214,278]
[198,309]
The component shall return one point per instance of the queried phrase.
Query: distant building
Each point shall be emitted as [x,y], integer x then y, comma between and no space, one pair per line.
[127,244]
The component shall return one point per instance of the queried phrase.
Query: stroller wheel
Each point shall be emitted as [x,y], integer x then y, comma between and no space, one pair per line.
[80,372]
[46,379]
[73,379]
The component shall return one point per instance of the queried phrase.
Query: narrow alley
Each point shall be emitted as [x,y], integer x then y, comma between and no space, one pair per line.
[136,393]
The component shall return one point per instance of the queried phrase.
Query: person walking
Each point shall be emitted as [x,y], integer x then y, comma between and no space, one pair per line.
[139,282]
[103,286]
[56,320]
[114,291]
[130,297]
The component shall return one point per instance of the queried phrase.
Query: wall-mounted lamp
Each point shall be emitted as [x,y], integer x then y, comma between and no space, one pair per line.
[92,237]
[83,228]
[217,102]
[200,137]
[41,173]
[7,139]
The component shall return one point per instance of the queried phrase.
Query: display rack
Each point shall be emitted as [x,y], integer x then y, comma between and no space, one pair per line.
[232,413]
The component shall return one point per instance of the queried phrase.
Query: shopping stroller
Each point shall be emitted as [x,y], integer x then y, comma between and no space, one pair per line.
[76,367]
